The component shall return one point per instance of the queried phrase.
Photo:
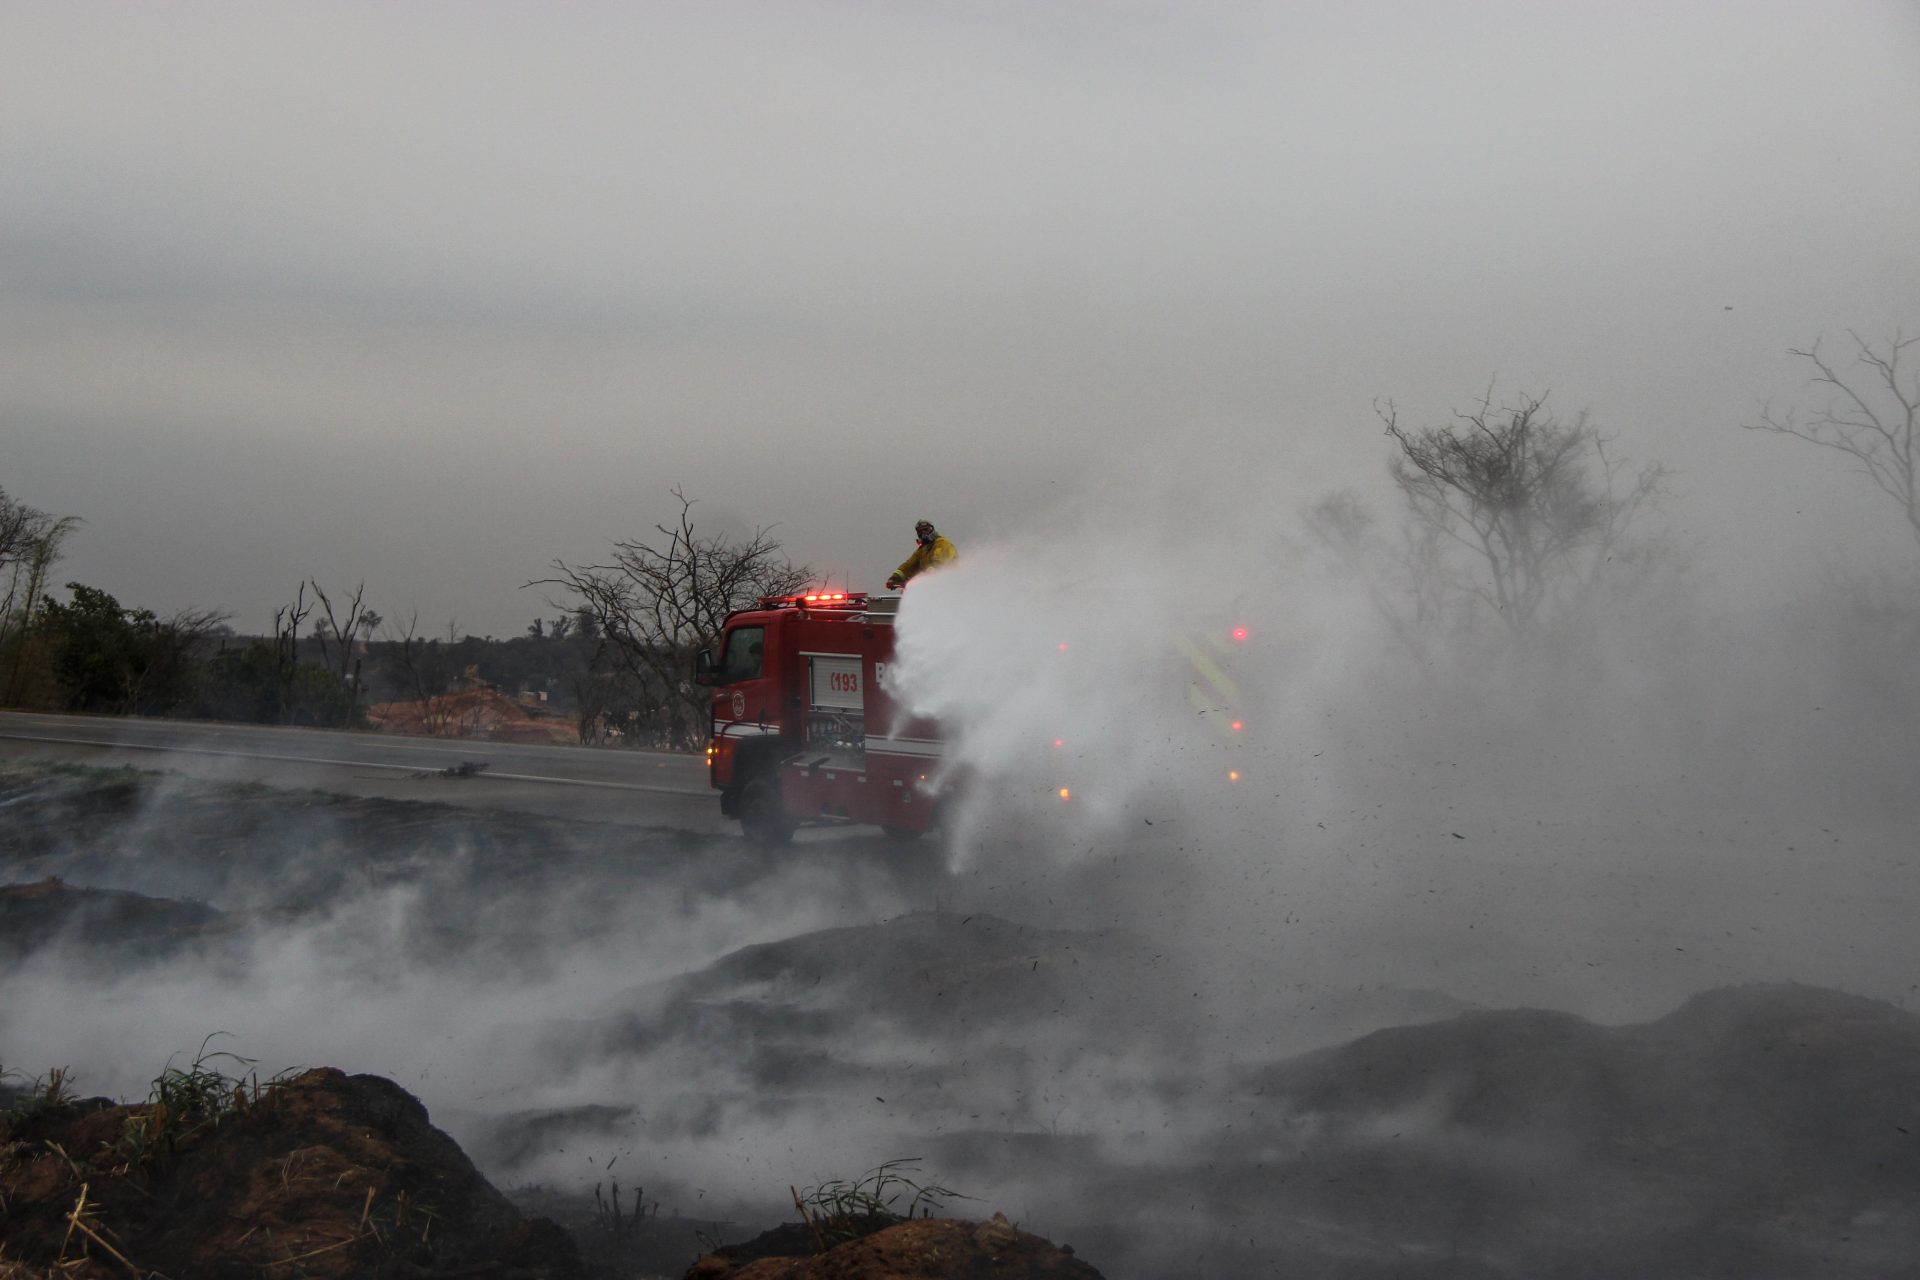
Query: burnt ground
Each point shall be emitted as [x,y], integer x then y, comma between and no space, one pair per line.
[320,1174]
[649,1038]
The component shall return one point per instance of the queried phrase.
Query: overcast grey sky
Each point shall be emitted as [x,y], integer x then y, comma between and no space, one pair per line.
[432,294]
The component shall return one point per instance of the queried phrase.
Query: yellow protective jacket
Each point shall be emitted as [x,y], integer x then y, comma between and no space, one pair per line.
[926,556]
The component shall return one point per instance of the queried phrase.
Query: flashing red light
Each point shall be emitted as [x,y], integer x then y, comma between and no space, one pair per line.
[1238,726]
[1059,742]
[1239,634]
[1063,646]
[824,599]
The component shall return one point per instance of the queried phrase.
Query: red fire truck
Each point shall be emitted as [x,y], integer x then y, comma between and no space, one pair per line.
[806,731]
[803,727]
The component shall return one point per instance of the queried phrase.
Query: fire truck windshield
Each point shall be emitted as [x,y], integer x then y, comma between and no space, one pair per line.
[741,661]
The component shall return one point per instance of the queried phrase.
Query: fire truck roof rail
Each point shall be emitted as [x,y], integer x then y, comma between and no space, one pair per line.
[852,600]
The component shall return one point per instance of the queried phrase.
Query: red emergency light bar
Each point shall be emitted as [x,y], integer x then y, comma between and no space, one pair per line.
[817,600]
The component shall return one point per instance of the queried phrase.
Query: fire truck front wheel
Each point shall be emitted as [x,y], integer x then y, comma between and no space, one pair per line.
[763,818]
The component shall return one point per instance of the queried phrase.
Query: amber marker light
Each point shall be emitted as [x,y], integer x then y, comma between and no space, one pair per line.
[1065,794]
[1233,775]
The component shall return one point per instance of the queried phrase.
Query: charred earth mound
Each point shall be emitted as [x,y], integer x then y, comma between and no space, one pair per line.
[1765,1130]
[321,1175]
[886,1248]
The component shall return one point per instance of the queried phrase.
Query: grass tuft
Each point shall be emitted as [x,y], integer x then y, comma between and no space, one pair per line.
[838,1211]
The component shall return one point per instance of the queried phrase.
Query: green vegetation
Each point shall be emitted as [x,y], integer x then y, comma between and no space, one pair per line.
[184,1103]
[837,1211]
[21,1097]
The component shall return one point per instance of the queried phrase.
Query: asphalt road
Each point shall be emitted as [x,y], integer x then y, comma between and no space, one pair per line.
[642,788]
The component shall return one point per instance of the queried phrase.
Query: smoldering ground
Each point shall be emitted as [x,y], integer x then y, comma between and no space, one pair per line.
[594,1018]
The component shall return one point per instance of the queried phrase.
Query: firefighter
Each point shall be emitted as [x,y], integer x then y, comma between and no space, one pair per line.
[932,550]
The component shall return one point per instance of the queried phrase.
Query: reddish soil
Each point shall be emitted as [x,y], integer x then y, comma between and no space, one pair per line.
[322,1175]
[921,1249]
[475,713]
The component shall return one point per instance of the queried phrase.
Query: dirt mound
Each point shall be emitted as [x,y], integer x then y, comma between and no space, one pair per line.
[1799,1076]
[1770,1122]
[799,1012]
[481,713]
[321,1175]
[920,1249]
[51,912]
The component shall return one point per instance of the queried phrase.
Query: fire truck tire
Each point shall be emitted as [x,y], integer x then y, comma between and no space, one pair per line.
[762,817]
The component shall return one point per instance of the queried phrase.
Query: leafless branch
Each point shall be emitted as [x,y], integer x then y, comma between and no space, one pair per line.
[1871,417]
[658,601]
[1528,506]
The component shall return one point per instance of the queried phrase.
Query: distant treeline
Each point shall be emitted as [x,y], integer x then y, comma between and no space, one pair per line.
[90,653]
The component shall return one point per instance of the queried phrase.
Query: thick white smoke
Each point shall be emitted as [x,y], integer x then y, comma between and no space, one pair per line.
[1130,650]
[1658,796]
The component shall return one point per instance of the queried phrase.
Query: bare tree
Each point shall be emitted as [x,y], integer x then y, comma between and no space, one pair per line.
[338,632]
[657,602]
[1401,570]
[422,665]
[593,693]
[1870,416]
[1340,521]
[1528,506]
[286,647]
[30,545]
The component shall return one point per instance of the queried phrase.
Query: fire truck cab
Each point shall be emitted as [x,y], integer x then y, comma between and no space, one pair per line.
[804,729]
